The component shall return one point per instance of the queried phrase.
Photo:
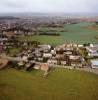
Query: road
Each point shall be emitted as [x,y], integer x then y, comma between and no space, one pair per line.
[18,59]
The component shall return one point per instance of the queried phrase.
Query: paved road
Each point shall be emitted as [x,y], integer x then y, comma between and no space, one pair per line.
[10,58]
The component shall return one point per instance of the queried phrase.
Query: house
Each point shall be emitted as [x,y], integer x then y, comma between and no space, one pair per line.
[53,52]
[37,67]
[94,63]
[92,51]
[1,48]
[25,58]
[47,55]
[93,54]
[3,39]
[60,56]
[44,67]
[45,47]
[75,45]
[40,59]
[80,46]
[38,54]
[68,53]
[52,61]
[76,64]
[8,34]
[71,57]
[63,63]
[69,49]
[21,63]
[76,61]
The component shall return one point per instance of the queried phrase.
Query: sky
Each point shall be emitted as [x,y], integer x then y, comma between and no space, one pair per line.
[49,6]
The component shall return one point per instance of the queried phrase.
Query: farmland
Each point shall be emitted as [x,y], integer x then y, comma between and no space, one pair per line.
[76,33]
[79,34]
[19,83]
[60,84]
[52,40]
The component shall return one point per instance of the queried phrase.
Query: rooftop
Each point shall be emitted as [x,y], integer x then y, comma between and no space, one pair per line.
[94,62]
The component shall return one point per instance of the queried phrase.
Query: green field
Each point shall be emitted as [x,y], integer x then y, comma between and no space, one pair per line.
[60,84]
[53,40]
[76,33]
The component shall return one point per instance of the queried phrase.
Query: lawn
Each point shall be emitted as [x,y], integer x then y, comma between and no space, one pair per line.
[60,84]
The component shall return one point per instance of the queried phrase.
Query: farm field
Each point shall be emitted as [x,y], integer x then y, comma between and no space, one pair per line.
[53,40]
[79,34]
[60,84]
[76,33]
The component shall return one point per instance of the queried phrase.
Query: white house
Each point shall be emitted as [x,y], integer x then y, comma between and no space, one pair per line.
[94,63]
[47,55]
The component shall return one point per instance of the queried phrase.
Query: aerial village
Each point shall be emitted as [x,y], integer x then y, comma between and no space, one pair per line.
[35,55]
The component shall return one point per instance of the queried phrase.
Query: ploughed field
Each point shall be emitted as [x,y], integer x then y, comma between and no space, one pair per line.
[60,84]
[75,33]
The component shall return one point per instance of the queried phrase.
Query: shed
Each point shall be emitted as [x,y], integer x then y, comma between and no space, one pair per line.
[44,67]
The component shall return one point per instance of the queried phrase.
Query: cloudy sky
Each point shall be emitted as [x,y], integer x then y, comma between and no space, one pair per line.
[66,6]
